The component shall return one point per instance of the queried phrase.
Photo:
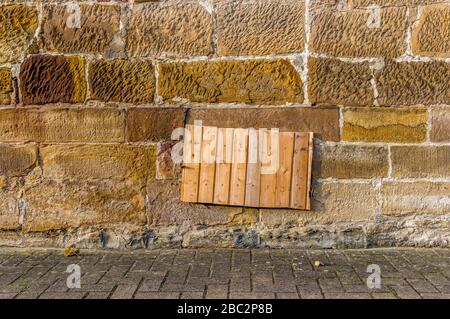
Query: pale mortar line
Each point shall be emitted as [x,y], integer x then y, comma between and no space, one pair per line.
[375,180]
[306,53]
[341,121]
[389,161]
[364,143]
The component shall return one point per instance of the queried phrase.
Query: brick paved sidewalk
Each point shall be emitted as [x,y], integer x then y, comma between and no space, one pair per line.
[226,273]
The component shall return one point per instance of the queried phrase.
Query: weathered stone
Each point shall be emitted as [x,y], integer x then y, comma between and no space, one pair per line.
[99,161]
[9,211]
[18,24]
[431,35]
[440,125]
[166,168]
[122,81]
[93,33]
[415,198]
[56,205]
[350,161]
[249,81]
[338,82]
[358,33]
[173,29]
[420,161]
[389,3]
[166,209]
[260,27]
[153,124]
[5,86]
[331,203]
[402,125]
[62,125]
[51,79]
[17,160]
[324,122]
[409,83]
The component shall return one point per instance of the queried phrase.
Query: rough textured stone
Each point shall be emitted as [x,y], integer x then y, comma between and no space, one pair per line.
[153,124]
[5,86]
[420,161]
[389,3]
[76,203]
[51,79]
[350,161]
[337,82]
[122,81]
[250,81]
[260,27]
[440,125]
[402,125]
[351,33]
[324,122]
[166,209]
[415,198]
[62,125]
[173,29]
[17,160]
[94,34]
[331,203]
[409,83]
[166,168]
[99,161]
[9,211]
[18,24]
[431,36]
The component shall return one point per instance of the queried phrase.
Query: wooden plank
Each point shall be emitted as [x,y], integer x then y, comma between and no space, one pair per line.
[223,166]
[252,188]
[207,165]
[299,192]
[191,163]
[269,157]
[284,174]
[239,167]
[309,173]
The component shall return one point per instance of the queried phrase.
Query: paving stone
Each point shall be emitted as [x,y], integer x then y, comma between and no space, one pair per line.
[26,279]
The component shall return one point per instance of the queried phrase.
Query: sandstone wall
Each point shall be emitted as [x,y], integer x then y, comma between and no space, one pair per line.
[88,107]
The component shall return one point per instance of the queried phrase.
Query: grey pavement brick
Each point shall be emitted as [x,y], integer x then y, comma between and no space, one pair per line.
[226,273]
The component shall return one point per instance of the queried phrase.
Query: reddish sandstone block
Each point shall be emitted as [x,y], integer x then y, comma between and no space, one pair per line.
[51,79]
[62,125]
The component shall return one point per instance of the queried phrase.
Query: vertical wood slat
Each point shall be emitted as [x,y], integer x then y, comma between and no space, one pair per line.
[269,144]
[252,188]
[207,165]
[309,173]
[239,167]
[223,166]
[301,171]
[191,163]
[284,174]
